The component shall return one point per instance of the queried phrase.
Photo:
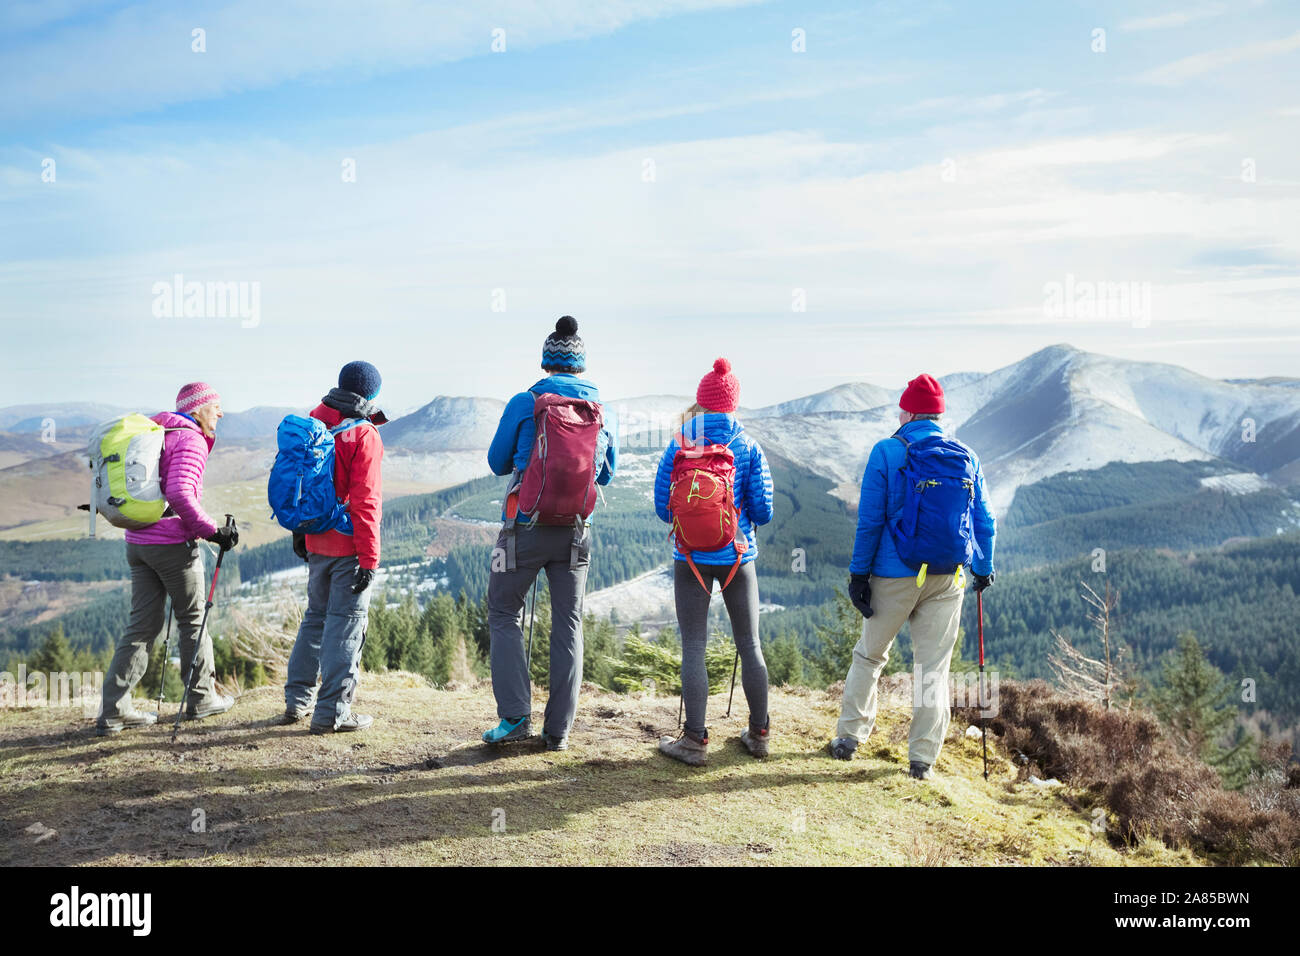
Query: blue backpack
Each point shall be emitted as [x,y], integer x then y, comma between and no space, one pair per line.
[934,528]
[301,487]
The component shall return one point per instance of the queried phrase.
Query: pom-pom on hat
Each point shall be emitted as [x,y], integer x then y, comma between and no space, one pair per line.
[719,390]
[923,396]
[563,350]
[194,396]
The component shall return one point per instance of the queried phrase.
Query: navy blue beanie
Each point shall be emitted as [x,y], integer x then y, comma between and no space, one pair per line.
[362,378]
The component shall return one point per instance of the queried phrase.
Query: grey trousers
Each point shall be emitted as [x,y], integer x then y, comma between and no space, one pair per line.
[741,599]
[537,549]
[329,643]
[157,572]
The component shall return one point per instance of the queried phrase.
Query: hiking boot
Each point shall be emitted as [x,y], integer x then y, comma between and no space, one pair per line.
[217,704]
[132,718]
[290,717]
[509,731]
[555,744]
[755,741]
[349,724]
[687,748]
[843,748]
[920,771]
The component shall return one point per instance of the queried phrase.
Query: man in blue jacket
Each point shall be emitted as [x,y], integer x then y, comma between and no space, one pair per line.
[526,547]
[889,594]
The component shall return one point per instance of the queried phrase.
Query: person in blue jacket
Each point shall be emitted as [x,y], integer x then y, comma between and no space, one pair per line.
[525,548]
[712,420]
[889,594]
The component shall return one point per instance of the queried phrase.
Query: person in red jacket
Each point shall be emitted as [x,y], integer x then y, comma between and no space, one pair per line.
[341,564]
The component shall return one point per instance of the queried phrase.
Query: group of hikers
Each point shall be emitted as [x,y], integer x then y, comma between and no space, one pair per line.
[923,520]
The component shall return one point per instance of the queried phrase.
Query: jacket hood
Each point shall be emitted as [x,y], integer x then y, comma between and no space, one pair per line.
[924,428]
[573,386]
[715,426]
[351,405]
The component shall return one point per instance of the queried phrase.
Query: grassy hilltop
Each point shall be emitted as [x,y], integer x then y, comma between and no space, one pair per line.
[418,789]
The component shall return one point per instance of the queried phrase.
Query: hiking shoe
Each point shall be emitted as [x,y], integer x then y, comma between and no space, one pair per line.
[686,748]
[843,748]
[217,704]
[349,724]
[133,718]
[290,717]
[509,731]
[555,744]
[920,771]
[755,741]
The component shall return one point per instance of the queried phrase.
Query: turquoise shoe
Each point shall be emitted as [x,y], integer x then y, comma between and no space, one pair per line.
[508,731]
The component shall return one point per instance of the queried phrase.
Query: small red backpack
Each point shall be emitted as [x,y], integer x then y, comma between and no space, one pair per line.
[702,501]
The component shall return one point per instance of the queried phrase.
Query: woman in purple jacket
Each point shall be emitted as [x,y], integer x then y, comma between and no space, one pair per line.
[165,561]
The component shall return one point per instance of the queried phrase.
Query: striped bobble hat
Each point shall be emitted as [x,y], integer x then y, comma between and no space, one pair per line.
[194,396]
[563,349]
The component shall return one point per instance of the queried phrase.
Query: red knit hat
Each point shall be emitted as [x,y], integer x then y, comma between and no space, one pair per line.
[923,396]
[719,390]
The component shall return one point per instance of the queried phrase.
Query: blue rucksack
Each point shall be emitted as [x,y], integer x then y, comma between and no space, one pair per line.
[301,487]
[934,528]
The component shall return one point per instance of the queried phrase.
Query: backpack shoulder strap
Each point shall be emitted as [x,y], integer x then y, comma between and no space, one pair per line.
[346,424]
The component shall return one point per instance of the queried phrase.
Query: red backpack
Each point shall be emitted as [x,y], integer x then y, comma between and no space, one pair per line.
[559,485]
[702,500]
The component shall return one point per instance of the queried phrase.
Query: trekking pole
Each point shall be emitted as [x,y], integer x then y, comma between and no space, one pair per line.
[167,644]
[984,724]
[734,667]
[198,640]
[532,616]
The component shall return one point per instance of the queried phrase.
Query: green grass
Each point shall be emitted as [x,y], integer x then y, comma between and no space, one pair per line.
[418,789]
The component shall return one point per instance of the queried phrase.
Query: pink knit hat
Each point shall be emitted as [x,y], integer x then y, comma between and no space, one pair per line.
[194,396]
[719,390]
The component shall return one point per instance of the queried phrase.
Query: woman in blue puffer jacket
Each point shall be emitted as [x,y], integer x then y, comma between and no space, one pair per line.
[712,420]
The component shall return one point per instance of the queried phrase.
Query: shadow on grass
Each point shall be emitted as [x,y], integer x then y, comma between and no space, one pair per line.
[281,814]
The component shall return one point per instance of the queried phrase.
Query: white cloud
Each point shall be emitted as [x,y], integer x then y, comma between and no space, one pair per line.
[1180,71]
[1176,18]
[140,58]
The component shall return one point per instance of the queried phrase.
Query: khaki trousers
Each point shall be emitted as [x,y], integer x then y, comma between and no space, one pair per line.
[934,611]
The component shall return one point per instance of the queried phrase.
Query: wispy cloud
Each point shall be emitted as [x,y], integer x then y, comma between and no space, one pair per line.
[141,57]
[1189,67]
[1175,18]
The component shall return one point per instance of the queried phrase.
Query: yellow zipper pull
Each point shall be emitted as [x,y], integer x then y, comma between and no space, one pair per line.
[920,575]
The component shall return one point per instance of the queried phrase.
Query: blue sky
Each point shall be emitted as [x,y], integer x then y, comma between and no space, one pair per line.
[917,177]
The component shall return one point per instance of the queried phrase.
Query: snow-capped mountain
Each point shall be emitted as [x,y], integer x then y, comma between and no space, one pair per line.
[853,397]
[446,424]
[1059,409]
[1062,409]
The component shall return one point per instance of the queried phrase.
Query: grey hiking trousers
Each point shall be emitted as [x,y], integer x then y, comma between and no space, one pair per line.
[159,571]
[539,548]
[741,600]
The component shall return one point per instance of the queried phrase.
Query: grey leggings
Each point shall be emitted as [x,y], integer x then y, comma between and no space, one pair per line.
[741,599]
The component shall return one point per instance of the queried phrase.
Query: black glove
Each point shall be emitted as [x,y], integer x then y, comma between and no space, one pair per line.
[860,593]
[300,545]
[361,578]
[224,538]
[982,581]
